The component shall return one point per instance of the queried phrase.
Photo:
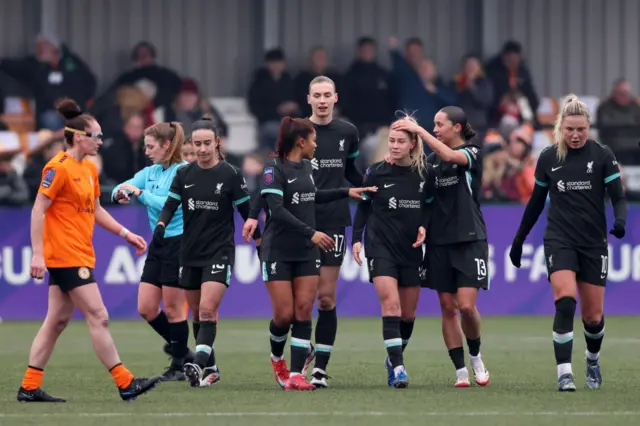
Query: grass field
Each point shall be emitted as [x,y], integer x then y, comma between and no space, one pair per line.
[517,351]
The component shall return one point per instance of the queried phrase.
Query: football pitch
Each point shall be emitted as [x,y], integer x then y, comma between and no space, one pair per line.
[518,352]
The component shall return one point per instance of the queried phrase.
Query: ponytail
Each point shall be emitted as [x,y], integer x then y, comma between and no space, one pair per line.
[291,129]
[76,120]
[467,132]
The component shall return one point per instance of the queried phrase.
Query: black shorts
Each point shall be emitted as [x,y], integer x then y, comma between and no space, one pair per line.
[336,256]
[591,264]
[163,263]
[287,271]
[192,277]
[69,278]
[407,276]
[450,267]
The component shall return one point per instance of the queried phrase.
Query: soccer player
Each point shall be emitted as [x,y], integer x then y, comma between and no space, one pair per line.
[62,220]
[335,159]
[289,254]
[163,144]
[393,216]
[457,252]
[576,172]
[207,189]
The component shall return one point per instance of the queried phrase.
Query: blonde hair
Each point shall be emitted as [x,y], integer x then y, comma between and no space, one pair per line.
[418,162]
[172,132]
[322,79]
[572,107]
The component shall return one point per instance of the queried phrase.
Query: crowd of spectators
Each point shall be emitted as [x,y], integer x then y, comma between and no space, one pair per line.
[498,95]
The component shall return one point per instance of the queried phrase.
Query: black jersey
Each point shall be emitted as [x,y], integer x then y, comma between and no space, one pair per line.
[577,186]
[208,197]
[337,144]
[396,212]
[456,216]
[290,193]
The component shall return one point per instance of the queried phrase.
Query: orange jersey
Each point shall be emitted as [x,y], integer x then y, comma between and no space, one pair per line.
[73,187]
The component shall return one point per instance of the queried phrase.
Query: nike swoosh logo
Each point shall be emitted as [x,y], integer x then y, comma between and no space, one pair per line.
[553,169]
[388,186]
[189,186]
[291,180]
[215,272]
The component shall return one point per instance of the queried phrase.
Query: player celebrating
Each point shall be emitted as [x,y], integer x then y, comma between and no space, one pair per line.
[393,216]
[207,189]
[290,258]
[163,144]
[457,250]
[62,220]
[576,172]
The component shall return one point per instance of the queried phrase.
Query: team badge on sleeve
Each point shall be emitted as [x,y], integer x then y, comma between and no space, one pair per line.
[268,176]
[48,178]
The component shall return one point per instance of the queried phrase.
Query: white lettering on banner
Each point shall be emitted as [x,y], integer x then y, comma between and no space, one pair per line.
[247,268]
[8,270]
[123,268]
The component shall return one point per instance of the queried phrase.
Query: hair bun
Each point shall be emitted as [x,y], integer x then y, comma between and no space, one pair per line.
[69,109]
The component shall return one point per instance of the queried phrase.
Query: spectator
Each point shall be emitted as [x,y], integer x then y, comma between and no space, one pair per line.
[618,121]
[106,184]
[128,101]
[53,73]
[188,152]
[123,153]
[318,65]
[272,97]
[367,97]
[474,93]
[189,107]
[13,188]
[33,171]
[167,81]
[509,74]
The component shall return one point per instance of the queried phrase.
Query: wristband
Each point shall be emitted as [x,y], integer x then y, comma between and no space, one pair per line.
[124,232]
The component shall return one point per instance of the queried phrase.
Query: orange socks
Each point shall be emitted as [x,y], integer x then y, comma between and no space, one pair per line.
[121,376]
[32,378]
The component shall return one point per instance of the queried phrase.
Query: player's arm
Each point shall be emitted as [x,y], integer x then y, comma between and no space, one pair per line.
[137,181]
[273,191]
[616,193]
[538,199]
[351,172]
[328,195]
[242,201]
[363,210]
[460,157]
[53,181]
[105,220]
[171,204]
[429,197]
[257,204]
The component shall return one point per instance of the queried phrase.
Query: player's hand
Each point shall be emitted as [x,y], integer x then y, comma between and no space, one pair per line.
[356,253]
[323,241]
[158,234]
[618,230]
[137,241]
[132,189]
[121,197]
[37,266]
[249,228]
[515,254]
[356,192]
[422,234]
[388,159]
[406,125]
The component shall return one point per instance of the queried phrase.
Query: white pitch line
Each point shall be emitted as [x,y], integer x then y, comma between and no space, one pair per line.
[335,413]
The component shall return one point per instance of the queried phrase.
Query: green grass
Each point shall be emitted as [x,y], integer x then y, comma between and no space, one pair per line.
[517,350]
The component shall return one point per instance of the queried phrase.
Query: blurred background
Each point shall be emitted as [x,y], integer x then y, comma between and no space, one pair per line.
[132,63]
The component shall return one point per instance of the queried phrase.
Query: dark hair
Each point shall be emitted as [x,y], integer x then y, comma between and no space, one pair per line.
[291,129]
[511,46]
[207,123]
[140,45]
[76,120]
[274,55]
[363,41]
[172,132]
[413,40]
[457,116]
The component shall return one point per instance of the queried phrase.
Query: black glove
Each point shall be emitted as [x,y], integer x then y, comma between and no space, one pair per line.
[158,234]
[618,229]
[515,254]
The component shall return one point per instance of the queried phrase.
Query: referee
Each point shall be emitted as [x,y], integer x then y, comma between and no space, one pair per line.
[576,173]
